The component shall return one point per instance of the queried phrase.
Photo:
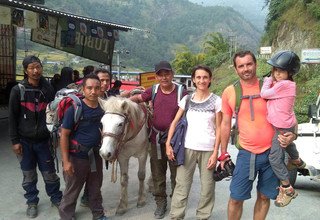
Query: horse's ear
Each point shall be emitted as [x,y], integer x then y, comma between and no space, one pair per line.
[102,103]
[124,106]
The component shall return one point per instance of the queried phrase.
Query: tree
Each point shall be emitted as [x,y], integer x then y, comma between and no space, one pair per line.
[215,44]
[185,60]
[216,49]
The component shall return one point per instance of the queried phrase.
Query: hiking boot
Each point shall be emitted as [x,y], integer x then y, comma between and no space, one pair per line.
[292,166]
[84,201]
[160,211]
[102,218]
[285,196]
[32,210]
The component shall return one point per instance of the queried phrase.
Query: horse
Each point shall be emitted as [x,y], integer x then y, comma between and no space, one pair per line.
[125,135]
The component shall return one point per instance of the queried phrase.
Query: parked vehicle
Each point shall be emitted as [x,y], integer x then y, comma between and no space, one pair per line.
[308,145]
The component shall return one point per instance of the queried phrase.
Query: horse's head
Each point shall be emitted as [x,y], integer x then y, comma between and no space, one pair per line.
[114,126]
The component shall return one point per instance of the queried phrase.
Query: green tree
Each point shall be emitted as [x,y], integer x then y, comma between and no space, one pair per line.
[185,60]
[216,49]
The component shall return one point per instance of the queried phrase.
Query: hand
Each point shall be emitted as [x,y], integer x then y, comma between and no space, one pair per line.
[286,138]
[212,162]
[68,168]
[17,149]
[169,152]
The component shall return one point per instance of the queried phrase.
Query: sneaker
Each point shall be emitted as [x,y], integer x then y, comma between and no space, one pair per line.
[84,201]
[32,210]
[292,166]
[160,211]
[285,196]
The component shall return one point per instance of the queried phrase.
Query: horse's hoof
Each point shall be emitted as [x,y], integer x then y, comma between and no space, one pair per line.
[141,204]
[120,211]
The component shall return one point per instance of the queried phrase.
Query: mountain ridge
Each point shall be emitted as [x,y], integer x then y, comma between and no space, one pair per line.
[170,23]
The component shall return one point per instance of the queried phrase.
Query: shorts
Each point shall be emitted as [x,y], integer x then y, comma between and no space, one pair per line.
[241,186]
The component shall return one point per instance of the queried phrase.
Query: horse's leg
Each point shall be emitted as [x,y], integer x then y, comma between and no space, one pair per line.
[123,205]
[141,176]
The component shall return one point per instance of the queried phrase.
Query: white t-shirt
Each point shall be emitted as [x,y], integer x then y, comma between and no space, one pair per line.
[201,122]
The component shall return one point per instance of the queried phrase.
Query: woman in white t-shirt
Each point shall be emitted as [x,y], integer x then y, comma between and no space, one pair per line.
[201,145]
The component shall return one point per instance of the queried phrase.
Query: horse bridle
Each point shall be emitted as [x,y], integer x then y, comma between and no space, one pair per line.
[119,137]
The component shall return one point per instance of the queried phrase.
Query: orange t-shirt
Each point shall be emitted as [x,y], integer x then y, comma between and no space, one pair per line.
[254,136]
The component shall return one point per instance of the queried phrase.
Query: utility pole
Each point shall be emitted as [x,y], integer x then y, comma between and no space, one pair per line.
[118,65]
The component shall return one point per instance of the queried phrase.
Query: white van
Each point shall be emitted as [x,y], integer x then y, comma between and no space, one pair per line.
[308,145]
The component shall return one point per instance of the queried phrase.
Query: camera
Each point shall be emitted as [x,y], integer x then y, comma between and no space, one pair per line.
[220,174]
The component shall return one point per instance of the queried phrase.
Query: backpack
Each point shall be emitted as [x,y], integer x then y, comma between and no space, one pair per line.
[155,88]
[56,109]
[239,97]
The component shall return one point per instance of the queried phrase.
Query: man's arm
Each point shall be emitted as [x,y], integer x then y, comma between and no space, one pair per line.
[136,98]
[64,144]
[225,132]
[225,136]
[14,117]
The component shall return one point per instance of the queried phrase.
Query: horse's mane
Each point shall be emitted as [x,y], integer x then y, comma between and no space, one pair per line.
[124,106]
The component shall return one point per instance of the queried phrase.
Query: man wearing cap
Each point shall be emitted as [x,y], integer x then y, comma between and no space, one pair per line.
[165,106]
[29,135]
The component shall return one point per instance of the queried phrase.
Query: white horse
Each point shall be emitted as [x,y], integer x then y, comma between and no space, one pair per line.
[124,134]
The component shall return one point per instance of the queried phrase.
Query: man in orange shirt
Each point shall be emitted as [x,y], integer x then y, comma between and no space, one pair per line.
[255,136]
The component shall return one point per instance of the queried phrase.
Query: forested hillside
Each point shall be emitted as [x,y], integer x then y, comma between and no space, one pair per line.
[253,10]
[170,23]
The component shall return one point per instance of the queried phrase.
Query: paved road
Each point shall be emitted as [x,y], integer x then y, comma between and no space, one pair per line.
[305,206]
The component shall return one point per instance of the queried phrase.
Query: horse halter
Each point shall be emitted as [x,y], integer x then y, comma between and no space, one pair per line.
[119,137]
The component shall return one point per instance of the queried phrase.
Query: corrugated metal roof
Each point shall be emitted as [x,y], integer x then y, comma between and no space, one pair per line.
[42,9]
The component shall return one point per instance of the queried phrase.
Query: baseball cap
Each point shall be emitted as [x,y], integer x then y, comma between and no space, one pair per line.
[30,59]
[162,65]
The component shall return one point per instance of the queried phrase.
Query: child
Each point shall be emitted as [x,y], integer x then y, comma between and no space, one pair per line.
[280,90]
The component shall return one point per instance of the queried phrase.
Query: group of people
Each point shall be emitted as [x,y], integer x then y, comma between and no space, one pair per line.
[264,135]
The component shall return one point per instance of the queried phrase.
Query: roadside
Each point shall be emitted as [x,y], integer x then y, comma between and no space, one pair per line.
[12,207]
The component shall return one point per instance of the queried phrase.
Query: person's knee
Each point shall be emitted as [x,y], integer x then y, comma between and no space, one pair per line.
[235,203]
[262,197]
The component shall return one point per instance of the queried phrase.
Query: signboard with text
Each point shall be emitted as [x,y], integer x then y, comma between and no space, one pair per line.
[265,50]
[310,56]
[147,79]
[79,38]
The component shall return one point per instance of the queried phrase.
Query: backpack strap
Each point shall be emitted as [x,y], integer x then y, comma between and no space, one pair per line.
[77,105]
[22,91]
[155,88]
[180,92]
[239,97]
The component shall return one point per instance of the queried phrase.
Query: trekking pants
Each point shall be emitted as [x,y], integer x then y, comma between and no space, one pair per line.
[159,171]
[33,154]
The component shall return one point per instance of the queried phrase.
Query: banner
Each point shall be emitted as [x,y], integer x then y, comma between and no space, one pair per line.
[46,36]
[17,17]
[76,37]
[31,19]
[5,15]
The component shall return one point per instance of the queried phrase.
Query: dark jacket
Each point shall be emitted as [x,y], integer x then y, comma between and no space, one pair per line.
[178,139]
[27,119]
